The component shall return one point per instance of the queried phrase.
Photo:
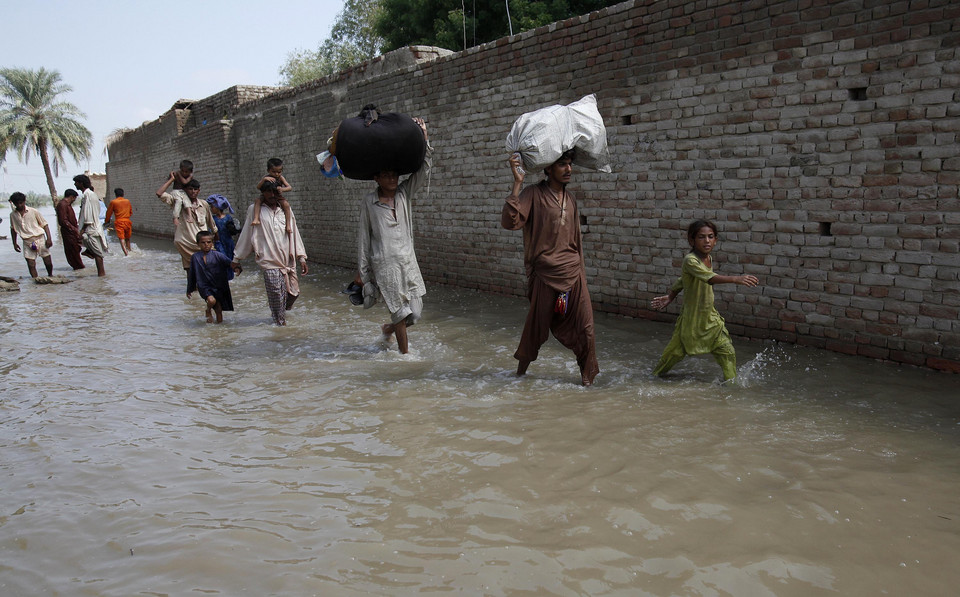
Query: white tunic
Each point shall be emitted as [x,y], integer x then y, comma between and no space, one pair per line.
[270,244]
[89,220]
[385,250]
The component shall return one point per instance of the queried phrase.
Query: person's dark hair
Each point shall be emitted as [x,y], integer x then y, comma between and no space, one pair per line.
[193,183]
[695,227]
[17,197]
[186,165]
[118,192]
[70,193]
[567,155]
[204,234]
[274,162]
[83,180]
[268,185]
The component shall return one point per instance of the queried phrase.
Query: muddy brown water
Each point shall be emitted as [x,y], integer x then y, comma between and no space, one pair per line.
[146,452]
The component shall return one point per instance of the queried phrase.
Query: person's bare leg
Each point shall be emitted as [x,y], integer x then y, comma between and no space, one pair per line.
[219,311]
[100,270]
[522,367]
[125,245]
[400,330]
[387,330]
[211,305]
[32,266]
[48,263]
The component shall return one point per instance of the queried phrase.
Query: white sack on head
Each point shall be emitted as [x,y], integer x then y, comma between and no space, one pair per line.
[541,137]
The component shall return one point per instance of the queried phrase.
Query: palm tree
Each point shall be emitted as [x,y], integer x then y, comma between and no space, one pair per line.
[33,118]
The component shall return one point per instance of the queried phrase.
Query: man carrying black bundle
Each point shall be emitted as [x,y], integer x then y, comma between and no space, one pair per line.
[387,261]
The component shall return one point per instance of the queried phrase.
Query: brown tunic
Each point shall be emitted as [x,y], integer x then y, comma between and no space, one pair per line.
[553,259]
[70,234]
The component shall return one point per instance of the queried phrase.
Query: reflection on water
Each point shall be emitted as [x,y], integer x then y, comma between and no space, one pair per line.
[149,453]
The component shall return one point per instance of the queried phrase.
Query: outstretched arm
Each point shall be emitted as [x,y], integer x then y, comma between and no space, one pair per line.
[742,280]
[661,302]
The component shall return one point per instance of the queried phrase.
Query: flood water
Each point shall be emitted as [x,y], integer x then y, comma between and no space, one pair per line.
[146,452]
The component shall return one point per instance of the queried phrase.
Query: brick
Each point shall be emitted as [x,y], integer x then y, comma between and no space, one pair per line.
[707,116]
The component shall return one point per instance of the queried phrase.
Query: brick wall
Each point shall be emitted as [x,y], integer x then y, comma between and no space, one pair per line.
[821,136]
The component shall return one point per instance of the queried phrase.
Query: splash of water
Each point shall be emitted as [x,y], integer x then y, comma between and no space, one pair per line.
[759,368]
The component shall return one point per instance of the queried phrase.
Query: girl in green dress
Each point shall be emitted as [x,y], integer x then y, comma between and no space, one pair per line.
[700,329]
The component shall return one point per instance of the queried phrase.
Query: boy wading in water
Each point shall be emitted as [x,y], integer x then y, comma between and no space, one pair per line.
[700,329]
[210,276]
[387,261]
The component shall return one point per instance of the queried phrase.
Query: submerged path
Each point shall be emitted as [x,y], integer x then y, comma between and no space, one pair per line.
[147,452]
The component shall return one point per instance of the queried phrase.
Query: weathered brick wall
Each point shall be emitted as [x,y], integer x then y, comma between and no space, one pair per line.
[821,136]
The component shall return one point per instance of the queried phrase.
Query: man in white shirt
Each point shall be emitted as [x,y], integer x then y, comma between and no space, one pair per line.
[91,230]
[30,225]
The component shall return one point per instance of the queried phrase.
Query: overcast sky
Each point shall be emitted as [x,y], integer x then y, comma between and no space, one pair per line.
[129,61]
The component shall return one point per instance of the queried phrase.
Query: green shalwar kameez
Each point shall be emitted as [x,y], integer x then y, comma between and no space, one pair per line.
[699,329]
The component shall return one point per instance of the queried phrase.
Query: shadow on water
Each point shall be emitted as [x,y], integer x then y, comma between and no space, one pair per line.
[147,452]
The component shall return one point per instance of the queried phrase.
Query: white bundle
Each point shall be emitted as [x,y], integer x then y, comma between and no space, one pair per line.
[542,136]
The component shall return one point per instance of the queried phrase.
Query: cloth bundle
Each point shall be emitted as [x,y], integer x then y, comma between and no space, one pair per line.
[364,147]
[541,137]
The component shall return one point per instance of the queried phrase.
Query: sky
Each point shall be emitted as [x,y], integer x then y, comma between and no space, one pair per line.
[129,61]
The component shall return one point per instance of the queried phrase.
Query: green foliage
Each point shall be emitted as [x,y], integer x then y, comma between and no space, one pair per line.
[351,41]
[460,24]
[38,200]
[34,119]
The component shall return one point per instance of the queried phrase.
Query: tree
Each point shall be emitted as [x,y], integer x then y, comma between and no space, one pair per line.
[351,41]
[33,118]
[459,24]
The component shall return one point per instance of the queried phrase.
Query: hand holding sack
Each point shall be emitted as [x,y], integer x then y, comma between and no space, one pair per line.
[541,137]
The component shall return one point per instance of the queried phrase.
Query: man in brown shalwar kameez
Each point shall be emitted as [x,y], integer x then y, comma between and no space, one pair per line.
[553,259]
[70,229]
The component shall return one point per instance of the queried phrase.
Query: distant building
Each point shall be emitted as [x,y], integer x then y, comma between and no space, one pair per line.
[99,182]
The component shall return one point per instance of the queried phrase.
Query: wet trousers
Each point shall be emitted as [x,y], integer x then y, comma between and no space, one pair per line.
[275,283]
[71,248]
[724,354]
[574,329]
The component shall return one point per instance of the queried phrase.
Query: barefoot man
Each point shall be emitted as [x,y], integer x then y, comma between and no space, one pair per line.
[276,252]
[388,263]
[553,258]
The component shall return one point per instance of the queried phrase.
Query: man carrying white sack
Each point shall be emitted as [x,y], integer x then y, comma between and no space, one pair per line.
[553,259]
[553,138]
